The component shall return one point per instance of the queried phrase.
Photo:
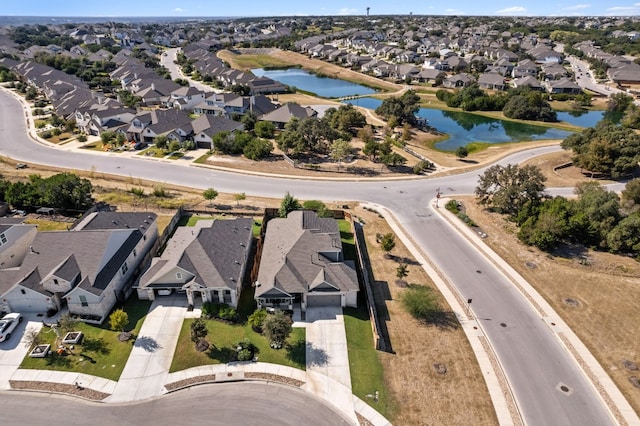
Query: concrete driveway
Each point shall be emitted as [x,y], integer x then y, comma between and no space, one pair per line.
[148,365]
[13,351]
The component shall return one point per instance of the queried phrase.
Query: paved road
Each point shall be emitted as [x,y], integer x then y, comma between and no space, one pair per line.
[533,358]
[219,404]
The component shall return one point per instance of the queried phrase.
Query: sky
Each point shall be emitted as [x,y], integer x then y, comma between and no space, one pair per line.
[251,8]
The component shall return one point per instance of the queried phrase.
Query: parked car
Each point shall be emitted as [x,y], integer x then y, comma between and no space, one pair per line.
[8,323]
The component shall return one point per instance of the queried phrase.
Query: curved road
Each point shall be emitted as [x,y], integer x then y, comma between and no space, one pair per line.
[532,357]
[217,404]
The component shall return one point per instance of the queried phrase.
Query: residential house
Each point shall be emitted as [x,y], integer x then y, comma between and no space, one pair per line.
[492,81]
[147,125]
[208,262]
[302,265]
[527,81]
[429,76]
[15,239]
[545,55]
[554,71]
[524,68]
[458,81]
[207,126]
[91,267]
[185,98]
[262,85]
[564,85]
[286,112]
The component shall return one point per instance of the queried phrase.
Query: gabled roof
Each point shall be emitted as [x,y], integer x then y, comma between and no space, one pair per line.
[97,257]
[211,125]
[302,253]
[214,253]
[286,112]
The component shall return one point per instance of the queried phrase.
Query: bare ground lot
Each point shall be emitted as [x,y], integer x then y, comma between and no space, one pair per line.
[423,396]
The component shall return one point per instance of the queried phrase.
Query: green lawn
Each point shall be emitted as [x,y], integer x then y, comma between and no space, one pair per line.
[255,229]
[100,353]
[224,337]
[347,238]
[364,364]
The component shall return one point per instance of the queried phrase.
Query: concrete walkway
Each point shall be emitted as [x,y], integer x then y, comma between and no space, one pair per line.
[146,374]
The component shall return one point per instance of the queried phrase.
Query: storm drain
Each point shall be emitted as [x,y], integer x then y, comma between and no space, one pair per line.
[564,389]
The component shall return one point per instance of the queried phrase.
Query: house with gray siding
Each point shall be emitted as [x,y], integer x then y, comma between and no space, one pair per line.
[206,262]
[302,265]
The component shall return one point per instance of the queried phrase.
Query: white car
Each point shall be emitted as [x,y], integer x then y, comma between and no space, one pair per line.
[8,323]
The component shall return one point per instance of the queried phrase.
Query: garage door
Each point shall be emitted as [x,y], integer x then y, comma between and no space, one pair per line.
[324,300]
[28,305]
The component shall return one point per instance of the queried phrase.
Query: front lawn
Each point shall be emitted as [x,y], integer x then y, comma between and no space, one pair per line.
[100,353]
[223,338]
[365,366]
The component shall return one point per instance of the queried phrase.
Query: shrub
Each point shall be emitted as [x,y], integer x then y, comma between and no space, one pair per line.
[452,206]
[198,330]
[159,191]
[227,313]
[245,350]
[421,302]
[46,135]
[82,138]
[210,310]
[256,319]
[277,328]
[137,191]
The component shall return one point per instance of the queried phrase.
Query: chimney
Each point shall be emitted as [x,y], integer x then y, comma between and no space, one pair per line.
[153,86]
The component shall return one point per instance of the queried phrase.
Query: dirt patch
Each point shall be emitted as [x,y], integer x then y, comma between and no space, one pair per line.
[422,395]
[560,177]
[606,288]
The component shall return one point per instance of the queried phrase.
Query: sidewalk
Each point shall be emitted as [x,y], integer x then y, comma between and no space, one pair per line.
[146,374]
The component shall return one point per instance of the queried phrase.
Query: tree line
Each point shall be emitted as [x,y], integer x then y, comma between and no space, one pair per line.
[596,218]
[63,191]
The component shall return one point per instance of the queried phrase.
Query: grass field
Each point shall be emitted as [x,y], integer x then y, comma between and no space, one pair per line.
[249,61]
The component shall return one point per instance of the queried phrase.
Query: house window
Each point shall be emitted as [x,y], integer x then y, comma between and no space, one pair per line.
[55,281]
[22,291]
[83,301]
[178,275]
[3,239]
[135,253]
[124,268]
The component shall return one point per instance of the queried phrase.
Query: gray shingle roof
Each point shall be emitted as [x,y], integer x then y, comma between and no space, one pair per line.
[300,255]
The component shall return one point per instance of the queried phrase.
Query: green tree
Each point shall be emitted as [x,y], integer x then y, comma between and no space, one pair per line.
[606,149]
[506,189]
[319,207]
[392,159]
[387,243]
[258,149]
[619,102]
[630,195]
[462,152]
[597,211]
[107,137]
[403,109]
[264,129]
[161,142]
[241,196]
[340,149]
[625,236]
[287,205]
[371,149]
[546,225]
[366,134]
[346,119]
[277,327]
[118,320]
[209,194]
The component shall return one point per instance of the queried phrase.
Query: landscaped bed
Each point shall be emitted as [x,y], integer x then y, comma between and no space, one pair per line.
[99,353]
[223,338]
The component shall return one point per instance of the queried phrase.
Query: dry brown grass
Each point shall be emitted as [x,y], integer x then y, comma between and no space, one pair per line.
[423,397]
[607,291]
[569,176]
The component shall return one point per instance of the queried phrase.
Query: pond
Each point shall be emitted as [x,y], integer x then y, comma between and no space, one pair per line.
[464,128]
[588,118]
[325,87]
